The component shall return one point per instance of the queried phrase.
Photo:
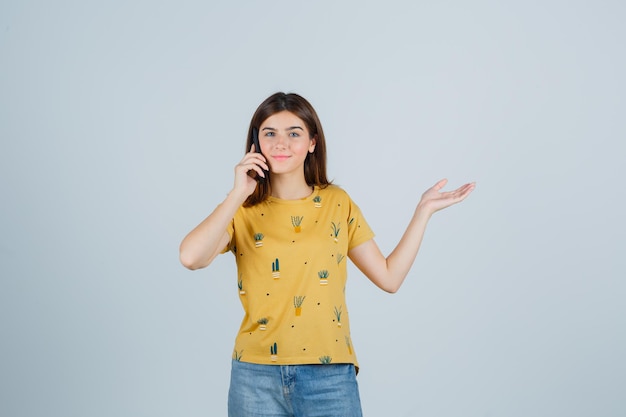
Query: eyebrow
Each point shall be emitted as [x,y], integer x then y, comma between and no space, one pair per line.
[289,128]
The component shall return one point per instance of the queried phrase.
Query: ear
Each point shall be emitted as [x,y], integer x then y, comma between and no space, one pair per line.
[312,144]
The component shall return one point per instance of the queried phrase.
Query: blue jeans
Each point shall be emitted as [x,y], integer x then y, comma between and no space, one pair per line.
[293,391]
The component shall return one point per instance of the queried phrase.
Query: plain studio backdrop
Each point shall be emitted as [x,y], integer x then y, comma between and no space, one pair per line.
[121,123]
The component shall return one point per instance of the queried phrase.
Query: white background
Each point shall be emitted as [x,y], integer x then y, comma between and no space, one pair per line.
[120,125]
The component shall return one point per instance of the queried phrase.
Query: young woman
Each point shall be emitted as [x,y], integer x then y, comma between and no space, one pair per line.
[291,233]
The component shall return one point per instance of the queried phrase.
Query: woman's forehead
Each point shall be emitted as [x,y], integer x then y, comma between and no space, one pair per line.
[283,119]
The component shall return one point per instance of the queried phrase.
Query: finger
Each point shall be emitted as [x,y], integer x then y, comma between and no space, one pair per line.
[253,171]
[259,164]
[467,188]
[248,164]
[253,149]
[255,158]
[463,192]
[454,196]
[459,191]
[440,184]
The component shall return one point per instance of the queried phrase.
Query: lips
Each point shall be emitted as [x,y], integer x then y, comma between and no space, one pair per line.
[280,157]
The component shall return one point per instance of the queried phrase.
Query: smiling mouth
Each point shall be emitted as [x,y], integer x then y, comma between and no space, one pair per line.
[280,157]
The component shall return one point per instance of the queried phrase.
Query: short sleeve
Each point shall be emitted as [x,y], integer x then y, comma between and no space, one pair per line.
[358,229]
[231,233]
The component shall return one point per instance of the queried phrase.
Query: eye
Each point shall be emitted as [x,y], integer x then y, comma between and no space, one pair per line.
[294,134]
[269,133]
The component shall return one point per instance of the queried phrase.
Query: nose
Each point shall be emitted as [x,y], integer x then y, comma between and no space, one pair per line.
[281,140]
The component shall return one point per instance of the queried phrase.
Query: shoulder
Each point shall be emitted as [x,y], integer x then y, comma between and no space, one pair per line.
[334,191]
[337,197]
[251,212]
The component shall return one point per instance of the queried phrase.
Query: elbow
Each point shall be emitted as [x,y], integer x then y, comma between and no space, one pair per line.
[190,267]
[189,261]
[386,282]
[391,284]
[391,289]
[388,287]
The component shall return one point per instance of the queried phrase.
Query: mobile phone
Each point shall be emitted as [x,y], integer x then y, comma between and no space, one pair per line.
[257,148]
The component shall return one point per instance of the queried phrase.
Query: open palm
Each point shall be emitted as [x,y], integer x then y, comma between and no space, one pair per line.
[434,199]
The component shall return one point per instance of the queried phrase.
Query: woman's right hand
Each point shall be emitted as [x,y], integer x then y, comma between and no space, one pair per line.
[210,237]
[251,166]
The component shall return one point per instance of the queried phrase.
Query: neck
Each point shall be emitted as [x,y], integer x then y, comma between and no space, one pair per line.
[289,188]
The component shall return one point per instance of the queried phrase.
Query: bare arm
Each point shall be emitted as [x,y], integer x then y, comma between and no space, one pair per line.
[389,273]
[206,241]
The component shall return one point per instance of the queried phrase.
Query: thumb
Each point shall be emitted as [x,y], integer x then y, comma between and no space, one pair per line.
[440,184]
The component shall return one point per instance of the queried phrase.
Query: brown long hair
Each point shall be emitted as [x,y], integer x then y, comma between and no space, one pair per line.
[315,162]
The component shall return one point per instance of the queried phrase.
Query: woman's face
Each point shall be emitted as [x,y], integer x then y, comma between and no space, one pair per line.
[285,141]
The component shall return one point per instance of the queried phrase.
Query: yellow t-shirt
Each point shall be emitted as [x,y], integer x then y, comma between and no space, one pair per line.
[291,264]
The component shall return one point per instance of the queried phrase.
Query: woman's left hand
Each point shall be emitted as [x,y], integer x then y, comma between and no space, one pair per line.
[434,199]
